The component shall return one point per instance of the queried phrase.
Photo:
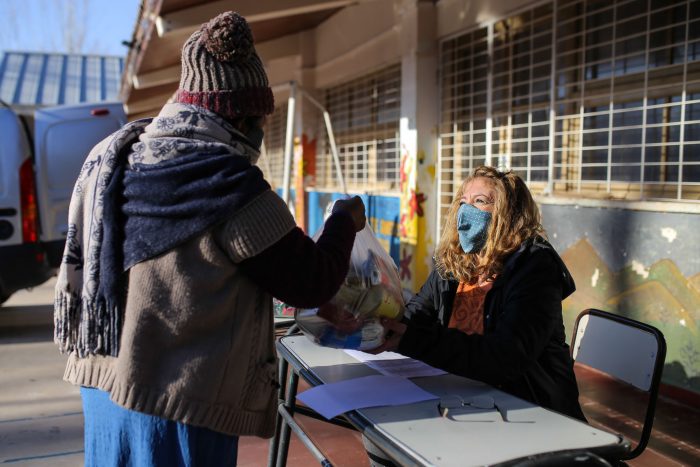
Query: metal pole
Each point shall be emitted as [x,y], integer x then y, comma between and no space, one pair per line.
[303,437]
[334,151]
[331,140]
[275,441]
[285,430]
[288,142]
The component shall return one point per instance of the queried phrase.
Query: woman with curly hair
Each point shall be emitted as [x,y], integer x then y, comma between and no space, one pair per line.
[491,309]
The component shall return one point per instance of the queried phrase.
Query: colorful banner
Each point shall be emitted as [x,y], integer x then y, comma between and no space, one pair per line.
[411,201]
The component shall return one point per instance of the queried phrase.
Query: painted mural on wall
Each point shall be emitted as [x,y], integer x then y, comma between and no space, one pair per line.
[426,221]
[410,205]
[639,264]
[416,243]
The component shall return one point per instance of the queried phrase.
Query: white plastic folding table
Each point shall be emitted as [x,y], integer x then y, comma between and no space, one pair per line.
[417,434]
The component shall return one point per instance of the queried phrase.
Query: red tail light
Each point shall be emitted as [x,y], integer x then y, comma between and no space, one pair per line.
[27,192]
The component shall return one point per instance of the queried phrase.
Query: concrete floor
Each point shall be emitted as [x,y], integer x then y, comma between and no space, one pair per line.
[41,421]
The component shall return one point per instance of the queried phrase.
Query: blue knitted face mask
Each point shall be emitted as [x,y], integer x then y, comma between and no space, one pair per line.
[472,227]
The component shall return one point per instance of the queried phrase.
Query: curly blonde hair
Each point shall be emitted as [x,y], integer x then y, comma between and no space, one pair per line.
[515,219]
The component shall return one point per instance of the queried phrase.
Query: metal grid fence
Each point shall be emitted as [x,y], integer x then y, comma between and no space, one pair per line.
[272,159]
[583,97]
[365,116]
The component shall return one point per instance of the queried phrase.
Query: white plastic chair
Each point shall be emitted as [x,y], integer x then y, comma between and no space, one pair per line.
[625,349]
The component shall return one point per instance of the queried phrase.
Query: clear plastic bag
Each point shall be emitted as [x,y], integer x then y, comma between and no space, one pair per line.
[371,290]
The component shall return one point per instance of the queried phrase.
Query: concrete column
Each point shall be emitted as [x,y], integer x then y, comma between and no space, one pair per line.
[418,136]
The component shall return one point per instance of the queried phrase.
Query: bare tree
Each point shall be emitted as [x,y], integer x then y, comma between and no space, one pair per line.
[46,25]
[73,18]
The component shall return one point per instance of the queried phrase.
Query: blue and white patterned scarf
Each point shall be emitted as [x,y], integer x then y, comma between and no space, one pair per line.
[145,189]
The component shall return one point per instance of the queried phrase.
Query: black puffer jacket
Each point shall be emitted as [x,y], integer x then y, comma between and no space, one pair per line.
[523,349]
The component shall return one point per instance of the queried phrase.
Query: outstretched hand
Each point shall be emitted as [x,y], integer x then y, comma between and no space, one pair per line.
[355,207]
[393,332]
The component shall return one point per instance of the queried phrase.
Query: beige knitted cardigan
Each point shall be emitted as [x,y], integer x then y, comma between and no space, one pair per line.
[197,344]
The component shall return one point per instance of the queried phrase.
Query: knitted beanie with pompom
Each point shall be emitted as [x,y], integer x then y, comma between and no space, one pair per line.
[222,72]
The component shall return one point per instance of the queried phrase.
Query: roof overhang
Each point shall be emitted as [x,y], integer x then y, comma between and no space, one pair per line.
[152,70]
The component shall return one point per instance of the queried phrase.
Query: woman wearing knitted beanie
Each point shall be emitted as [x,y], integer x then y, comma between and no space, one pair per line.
[176,246]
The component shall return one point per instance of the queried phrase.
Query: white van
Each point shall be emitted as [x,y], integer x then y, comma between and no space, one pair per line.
[40,158]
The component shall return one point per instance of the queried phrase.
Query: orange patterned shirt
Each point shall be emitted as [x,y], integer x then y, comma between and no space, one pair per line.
[468,308]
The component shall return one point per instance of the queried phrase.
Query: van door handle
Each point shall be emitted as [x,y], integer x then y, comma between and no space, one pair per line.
[8,212]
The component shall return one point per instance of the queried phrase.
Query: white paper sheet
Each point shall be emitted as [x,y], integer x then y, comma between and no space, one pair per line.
[333,399]
[394,364]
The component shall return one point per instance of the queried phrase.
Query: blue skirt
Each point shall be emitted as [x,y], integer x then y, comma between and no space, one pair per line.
[115,436]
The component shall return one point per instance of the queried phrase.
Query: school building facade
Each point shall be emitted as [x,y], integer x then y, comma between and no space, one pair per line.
[595,103]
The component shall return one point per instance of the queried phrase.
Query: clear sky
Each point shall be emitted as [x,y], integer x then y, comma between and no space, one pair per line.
[81,26]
